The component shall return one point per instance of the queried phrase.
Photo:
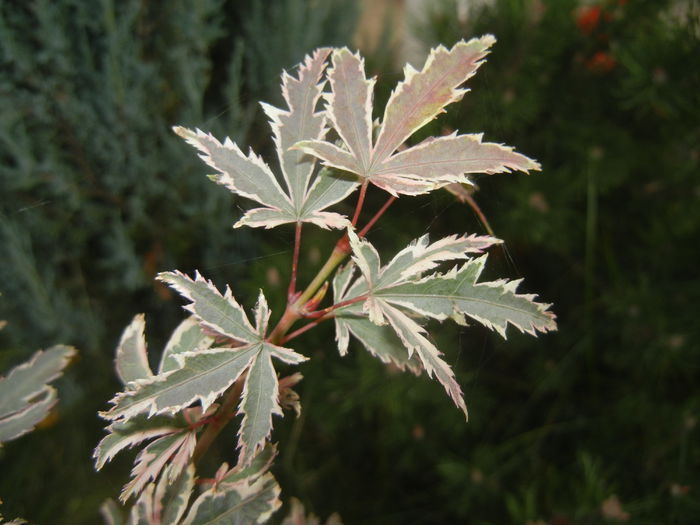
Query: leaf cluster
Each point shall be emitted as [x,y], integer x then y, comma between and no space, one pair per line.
[219,362]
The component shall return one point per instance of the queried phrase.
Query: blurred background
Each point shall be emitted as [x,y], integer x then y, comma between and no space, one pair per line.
[595,423]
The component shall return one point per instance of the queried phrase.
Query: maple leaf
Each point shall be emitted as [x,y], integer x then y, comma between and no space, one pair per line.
[241,503]
[25,396]
[203,375]
[417,100]
[249,176]
[391,297]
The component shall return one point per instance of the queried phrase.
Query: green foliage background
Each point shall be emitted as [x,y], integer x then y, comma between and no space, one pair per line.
[96,195]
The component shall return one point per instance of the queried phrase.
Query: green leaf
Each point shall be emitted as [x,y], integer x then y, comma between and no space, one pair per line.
[123,434]
[202,376]
[219,313]
[187,337]
[236,503]
[392,293]
[260,464]
[132,360]
[380,341]
[25,397]
[170,498]
[174,450]
[259,402]
[457,294]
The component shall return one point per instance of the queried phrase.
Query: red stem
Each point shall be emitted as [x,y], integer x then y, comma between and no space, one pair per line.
[360,202]
[295,262]
[321,313]
[303,329]
[377,215]
[480,214]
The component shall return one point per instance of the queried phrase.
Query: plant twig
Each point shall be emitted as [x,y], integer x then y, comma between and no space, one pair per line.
[360,202]
[295,262]
[376,217]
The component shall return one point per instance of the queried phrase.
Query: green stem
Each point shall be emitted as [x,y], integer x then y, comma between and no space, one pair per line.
[293,311]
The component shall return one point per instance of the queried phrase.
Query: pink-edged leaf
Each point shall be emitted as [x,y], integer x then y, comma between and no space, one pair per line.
[124,434]
[142,511]
[399,185]
[327,189]
[299,122]
[380,341]
[448,159]
[154,457]
[260,399]
[349,105]
[132,360]
[247,176]
[236,503]
[260,464]
[262,315]
[421,96]
[418,99]
[411,334]
[331,155]
[170,498]
[250,177]
[23,421]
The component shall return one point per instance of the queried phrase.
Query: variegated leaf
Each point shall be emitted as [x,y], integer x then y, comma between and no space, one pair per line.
[349,105]
[132,358]
[494,304]
[260,464]
[421,96]
[125,434]
[142,511]
[219,313]
[247,176]
[393,292]
[202,376]
[187,337]
[411,334]
[170,498]
[380,341]
[22,421]
[447,159]
[259,402]
[174,450]
[25,396]
[417,100]
[250,177]
[236,503]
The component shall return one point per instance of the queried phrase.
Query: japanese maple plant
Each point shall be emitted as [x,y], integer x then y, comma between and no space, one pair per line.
[222,361]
